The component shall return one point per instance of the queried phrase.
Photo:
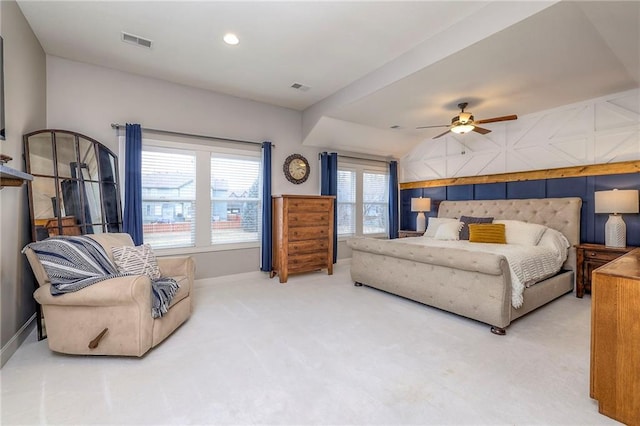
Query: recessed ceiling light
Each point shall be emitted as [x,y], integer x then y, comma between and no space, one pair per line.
[231,38]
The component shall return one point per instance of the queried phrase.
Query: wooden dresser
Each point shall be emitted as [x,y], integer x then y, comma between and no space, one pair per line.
[302,234]
[615,338]
[592,256]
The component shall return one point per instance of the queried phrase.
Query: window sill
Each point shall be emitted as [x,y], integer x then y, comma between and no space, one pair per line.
[194,250]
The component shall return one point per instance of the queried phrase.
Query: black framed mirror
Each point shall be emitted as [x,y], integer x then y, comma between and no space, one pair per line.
[75,189]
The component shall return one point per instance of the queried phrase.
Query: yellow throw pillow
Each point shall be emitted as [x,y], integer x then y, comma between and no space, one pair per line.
[487,233]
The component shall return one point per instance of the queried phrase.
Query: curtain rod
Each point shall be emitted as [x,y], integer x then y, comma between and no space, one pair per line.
[362,158]
[190,135]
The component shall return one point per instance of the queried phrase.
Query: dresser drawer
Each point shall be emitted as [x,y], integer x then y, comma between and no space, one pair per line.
[307,262]
[309,205]
[308,246]
[601,255]
[308,233]
[308,219]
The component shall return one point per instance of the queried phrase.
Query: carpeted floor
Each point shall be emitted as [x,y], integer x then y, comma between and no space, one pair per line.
[318,350]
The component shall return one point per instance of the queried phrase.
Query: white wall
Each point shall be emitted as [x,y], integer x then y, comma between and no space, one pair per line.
[25,102]
[597,131]
[87,99]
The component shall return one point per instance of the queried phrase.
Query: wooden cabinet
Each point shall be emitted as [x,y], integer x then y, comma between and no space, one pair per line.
[590,257]
[615,338]
[302,234]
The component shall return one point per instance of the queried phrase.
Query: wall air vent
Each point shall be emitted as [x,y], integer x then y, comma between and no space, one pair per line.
[301,87]
[138,41]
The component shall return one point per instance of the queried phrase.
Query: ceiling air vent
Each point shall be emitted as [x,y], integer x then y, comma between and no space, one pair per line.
[138,41]
[301,87]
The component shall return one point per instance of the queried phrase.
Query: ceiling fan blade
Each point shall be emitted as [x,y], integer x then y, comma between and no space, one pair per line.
[496,119]
[441,134]
[481,130]
[432,127]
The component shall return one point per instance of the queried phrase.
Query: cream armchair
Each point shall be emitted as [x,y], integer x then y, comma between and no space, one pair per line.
[76,322]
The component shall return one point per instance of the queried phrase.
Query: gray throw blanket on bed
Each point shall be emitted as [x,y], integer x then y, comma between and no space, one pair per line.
[76,262]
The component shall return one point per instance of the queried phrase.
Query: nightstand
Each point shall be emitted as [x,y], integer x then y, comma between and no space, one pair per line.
[406,234]
[590,257]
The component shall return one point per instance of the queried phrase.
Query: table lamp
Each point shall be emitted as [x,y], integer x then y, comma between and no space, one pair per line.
[616,202]
[421,205]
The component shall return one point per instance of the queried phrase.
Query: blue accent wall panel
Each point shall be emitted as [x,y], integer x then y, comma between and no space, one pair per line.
[566,187]
[591,224]
[526,189]
[460,192]
[407,217]
[436,194]
[490,191]
[574,187]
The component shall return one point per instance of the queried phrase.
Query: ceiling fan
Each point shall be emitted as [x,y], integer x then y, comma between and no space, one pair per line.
[464,122]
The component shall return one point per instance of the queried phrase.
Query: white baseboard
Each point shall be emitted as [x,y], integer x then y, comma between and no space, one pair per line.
[14,343]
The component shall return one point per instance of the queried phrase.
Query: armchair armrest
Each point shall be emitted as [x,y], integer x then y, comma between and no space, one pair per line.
[133,289]
[176,266]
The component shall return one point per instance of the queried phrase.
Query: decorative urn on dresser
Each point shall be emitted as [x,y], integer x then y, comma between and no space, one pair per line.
[302,234]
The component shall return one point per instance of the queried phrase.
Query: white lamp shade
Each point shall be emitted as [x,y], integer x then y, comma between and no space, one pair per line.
[420,204]
[616,201]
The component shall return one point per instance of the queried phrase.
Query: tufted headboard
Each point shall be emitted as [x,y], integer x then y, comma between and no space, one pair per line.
[562,214]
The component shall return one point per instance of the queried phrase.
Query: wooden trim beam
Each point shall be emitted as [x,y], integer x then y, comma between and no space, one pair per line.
[563,172]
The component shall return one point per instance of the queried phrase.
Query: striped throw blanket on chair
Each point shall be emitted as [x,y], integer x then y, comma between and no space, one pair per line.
[75,262]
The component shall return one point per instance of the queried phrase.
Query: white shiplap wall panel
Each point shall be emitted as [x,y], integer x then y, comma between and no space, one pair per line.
[597,131]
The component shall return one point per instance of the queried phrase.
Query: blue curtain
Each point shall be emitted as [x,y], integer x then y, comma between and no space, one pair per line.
[329,186]
[266,247]
[132,219]
[394,218]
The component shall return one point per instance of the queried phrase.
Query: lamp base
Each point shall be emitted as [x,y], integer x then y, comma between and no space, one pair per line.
[421,222]
[615,232]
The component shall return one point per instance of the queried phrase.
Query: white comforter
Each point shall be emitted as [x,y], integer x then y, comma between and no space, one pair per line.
[528,264]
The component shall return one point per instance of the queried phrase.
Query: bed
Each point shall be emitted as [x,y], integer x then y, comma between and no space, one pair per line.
[474,284]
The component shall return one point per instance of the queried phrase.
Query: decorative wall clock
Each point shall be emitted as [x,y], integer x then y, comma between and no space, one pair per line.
[296,168]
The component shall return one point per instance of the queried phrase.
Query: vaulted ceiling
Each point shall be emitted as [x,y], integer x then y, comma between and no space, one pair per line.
[368,65]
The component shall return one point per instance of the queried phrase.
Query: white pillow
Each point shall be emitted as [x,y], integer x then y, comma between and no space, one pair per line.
[522,233]
[435,223]
[449,231]
[139,260]
[556,241]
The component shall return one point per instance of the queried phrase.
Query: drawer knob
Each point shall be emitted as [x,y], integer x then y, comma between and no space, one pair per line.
[593,253]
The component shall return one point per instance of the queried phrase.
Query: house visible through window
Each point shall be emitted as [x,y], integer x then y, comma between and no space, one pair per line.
[200,195]
[363,199]
[235,199]
[168,197]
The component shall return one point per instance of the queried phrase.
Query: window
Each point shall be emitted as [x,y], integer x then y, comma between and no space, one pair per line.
[168,197]
[235,199]
[200,195]
[363,199]
[375,203]
[346,202]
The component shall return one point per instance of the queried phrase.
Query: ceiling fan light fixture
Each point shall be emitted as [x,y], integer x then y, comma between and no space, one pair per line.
[462,128]
[465,117]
